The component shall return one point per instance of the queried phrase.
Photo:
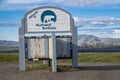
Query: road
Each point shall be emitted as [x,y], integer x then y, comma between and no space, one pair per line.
[86,71]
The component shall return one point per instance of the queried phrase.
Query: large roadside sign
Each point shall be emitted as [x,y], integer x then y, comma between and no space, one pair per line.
[46,20]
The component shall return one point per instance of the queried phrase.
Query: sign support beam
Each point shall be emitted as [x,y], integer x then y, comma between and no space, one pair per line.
[22,64]
[46,62]
[54,63]
[74,47]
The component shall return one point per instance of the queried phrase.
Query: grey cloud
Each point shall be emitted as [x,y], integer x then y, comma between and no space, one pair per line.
[84,3]
[9,24]
[25,5]
[97,21]
[16,7]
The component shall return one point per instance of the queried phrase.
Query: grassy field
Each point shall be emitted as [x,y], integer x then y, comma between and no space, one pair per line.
[9,57]
[6,57]
[82,57]
[100,57]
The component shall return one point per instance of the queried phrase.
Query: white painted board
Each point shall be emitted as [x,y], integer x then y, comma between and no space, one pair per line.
[37,48]
[47,20]
[62,47]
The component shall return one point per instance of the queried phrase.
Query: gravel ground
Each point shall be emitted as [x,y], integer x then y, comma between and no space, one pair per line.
[86,71]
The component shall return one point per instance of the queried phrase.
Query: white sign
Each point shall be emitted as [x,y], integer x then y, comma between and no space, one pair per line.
[48,19]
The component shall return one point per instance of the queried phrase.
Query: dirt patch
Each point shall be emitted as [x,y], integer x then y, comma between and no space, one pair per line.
[85,71]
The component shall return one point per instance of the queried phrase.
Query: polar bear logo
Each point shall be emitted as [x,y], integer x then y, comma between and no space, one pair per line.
[48,16]
[49,19]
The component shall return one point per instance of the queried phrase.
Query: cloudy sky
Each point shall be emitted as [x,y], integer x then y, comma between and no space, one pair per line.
[92,17]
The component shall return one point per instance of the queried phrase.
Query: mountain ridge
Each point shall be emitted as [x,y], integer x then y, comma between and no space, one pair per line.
[90,41]
[84,41]
[8,45]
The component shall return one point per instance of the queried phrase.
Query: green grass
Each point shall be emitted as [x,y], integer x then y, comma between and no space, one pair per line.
[64,60]
[63,68]
[6,57]
[39,67]
[95,57]
[48,68]
[9,57]
[86,57]
[100,57]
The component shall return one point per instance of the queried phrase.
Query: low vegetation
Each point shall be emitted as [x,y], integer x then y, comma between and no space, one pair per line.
[100,57]
[9,57]
[39,67]
[82,57]
[6,57]
[48,68]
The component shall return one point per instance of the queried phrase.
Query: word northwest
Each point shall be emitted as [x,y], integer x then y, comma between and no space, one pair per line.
[45,26]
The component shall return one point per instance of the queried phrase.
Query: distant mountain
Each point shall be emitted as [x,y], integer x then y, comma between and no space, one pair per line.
[84,42]
[90,41]
[8,45]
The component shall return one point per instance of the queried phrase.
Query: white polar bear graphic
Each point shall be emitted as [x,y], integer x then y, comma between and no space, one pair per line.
[48,19]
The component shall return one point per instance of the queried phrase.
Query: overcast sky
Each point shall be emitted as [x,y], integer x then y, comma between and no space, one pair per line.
[92,17]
